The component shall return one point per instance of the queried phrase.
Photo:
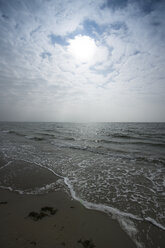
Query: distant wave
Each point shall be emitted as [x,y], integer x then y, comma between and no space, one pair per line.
[81,148]
[49,130]
[68,138]
[150,160]
[148,143]
[46,135]
[35,138]
[130,142]
[16,133]
[120,135]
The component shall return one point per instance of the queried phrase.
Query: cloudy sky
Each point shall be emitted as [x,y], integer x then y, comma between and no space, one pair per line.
[82,60]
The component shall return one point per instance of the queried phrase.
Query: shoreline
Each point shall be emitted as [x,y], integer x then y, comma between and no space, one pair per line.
[71,226]
[79,223]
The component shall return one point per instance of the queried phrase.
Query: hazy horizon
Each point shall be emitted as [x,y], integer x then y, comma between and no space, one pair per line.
[86,122]
[82,61]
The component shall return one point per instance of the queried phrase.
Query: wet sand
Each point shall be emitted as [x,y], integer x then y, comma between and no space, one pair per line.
[66,224]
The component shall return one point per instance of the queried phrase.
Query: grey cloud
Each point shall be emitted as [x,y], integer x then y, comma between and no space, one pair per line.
[146,6]
[115,4]
[5,16]
[35,30]
[45,55]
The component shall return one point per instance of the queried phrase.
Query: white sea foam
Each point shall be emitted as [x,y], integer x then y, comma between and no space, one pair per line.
[36,191]
[130,228]
[45,167]
[100,207]
[21,192]
[155,223]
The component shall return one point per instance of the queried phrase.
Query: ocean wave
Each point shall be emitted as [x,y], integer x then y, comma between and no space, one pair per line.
[68,138]
[36,138]
[131,141]
[101,149]
[5,131]
[46,135]
[86,149]
[150,160]
[76,147]
[147,143]
[120,135]
[16,133]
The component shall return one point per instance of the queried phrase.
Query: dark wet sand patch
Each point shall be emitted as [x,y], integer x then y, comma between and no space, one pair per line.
[49,210]
[3,202]
[86,243]
[44,212]
[33,243]
[26,176]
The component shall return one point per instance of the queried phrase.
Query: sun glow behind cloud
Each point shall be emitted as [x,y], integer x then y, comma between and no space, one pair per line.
[82,48]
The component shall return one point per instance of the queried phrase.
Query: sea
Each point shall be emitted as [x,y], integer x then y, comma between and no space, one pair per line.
[117,168]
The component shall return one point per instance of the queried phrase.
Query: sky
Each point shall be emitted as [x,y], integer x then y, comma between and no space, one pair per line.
[82,60]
